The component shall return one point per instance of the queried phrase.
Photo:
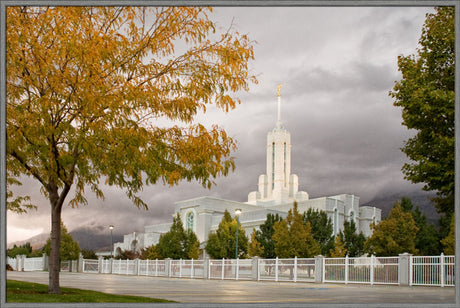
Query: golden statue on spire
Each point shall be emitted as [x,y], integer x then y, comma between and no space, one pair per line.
[279,89]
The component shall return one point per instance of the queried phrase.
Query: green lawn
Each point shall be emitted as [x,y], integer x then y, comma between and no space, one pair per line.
[27,292]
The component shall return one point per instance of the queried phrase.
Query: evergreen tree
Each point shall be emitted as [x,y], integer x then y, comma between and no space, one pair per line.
[70,250]
[354,242]
[222,243]
[88,254]
[150,253]
[293,238]
[321,229]
[394,235]
[178,243]
[449,241]
[427,241]
[265,236]
[339,250]
[255,247]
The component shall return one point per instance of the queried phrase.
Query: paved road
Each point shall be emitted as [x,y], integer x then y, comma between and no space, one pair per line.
[228,291]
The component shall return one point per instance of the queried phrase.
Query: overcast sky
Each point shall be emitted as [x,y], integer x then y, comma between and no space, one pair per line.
[337,66]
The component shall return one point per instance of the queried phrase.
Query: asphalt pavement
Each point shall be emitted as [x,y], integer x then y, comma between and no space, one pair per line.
[185,290]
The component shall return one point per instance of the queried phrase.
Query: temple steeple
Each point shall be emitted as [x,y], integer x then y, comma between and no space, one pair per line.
[278,122]
[278,185]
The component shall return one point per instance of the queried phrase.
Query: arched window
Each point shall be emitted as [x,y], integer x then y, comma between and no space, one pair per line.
[190,220]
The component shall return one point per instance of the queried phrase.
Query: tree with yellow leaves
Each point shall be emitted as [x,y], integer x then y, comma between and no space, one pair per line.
[394,235]
[293,237]
[339,250]
[92,93]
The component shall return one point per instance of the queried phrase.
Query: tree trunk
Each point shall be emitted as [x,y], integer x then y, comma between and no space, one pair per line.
[55,256]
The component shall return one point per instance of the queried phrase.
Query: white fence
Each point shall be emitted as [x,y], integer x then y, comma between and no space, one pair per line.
[90,266]
[297,269]
[237,269]
[432,271]
[186,268]
[12,262]
[369,270]
[152,268]
[21,263]
[403,270]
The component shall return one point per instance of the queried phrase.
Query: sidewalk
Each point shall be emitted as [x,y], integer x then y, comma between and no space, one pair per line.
[230,291]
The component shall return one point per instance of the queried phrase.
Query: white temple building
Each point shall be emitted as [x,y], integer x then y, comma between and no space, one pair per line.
[277,190]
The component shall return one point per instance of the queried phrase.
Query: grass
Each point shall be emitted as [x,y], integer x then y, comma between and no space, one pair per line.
[27,292]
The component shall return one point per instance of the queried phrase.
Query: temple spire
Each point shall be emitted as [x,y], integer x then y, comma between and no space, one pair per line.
[278,122]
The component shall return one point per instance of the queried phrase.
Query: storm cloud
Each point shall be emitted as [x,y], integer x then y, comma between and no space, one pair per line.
[337,66]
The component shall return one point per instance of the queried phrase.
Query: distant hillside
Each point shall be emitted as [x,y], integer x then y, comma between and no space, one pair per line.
[87,238]
[37,241]
[420,198]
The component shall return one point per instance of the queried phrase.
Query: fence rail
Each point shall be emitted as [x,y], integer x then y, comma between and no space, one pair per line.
[371,270]
[403,270]
[432,271]
[297,269]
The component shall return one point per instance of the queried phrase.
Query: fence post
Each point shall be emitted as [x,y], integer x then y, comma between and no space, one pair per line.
[276,269]
[405,269]
[319,269]
[180,268]
[237,268]
[45,262]
[99,264]
[16,265]
[80,263]
[23,263]
[223,268]
[137,266]
[372,269]
[205,268]
[191,270]
[295,268]
[442,269]
[255,268]
[346,269]
[168,267]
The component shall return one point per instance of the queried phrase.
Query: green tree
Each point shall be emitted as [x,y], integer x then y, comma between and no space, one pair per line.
[293,237]
[255,247]
[427,241]
[394,235]
[178,243]
[321,229]
[25,249]
[222,243]
[265,236]
[426,94]
[353,241]
[87,89]
[150,253]
[449,241]
[70,250]
[88,254]
[339,250]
